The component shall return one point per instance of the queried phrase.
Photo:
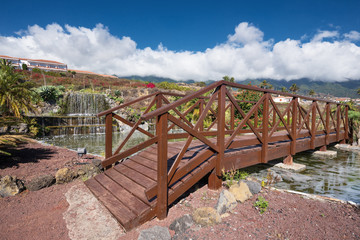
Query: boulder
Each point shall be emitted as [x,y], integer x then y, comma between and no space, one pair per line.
[10,186]
[40,182]
[180,225]
[88,171]
[226,202]
[206,216]
[155,233]
[240,191]
[254,187]
[64,175]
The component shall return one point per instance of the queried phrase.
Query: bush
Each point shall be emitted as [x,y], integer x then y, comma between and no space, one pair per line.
[172,86]
[50,94]
[24,66]
[36,70]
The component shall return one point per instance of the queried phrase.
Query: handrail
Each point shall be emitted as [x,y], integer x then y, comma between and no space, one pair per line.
[197,94]
[138,100]
[267,122]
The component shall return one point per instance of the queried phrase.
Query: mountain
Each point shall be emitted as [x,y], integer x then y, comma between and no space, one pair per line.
[336,89]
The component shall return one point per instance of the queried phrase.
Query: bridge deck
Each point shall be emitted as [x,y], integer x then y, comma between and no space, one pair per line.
[122,188]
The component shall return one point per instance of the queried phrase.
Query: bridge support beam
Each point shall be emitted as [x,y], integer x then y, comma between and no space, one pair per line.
[162,180]
[288,160]
[214,181]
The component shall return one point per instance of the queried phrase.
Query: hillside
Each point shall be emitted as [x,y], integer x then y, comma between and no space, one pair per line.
[336,89]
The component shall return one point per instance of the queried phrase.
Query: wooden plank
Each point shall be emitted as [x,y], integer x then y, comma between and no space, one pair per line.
[131,186]
[144,161]
[136,176]
[140,168]
[178,191]
[133,203]
[120,211]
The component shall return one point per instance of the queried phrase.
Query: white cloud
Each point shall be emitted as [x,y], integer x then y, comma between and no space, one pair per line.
[244,55]
[352,36]
[325,34]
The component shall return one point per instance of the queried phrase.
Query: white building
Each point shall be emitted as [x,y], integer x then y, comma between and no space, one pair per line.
[45,65]
[282,99]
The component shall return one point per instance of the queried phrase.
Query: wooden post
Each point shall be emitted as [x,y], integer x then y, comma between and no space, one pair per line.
[201,109]
[338,108]
[265,129]
[294,126]
[232,117]
[256,119]
[108,137]
[162,177]
[327,122]
[273,116]
[346,122]
[215,177]
[313,125]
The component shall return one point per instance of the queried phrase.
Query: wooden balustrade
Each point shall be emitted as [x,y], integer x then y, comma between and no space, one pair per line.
[280,122]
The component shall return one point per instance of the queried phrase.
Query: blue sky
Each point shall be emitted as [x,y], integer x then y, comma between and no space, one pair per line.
[193,27]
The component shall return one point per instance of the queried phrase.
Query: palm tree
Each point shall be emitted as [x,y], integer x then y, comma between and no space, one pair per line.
[283,89]
[266,85]
[16,95]
[294,88]
[228,79]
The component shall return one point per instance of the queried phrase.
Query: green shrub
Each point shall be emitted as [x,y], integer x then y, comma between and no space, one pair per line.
[36,70]
[24,66]
[50,94]
[172,86]
[261,204]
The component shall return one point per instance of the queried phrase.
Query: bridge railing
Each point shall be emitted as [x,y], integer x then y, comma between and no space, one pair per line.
[221,120]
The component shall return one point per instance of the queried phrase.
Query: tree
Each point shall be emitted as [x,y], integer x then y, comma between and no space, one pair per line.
[283,89]
[358,91]
[24,67]
[311,92]
[16,95]
[266,85]
[294,88]
[228,79]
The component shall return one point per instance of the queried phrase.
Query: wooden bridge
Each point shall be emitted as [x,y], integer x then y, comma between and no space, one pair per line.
[220,129]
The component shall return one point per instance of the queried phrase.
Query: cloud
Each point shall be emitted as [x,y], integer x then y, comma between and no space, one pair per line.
[352,36]
[325,34]
[328,56]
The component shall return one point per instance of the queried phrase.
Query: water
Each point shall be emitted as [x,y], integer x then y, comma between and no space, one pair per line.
[84,104]
[94,143]
[338,177]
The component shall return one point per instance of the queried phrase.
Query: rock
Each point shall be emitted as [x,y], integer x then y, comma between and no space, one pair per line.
[294,177]
[181,224]
[10,186]
[226,202]
[240,191]
[64,175]
[88,171]
[40,182]
[206,216]
[97,163]
[155,233]
[254,187]
[325,154]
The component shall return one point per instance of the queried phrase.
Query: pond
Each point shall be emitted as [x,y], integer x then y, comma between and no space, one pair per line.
[338,177]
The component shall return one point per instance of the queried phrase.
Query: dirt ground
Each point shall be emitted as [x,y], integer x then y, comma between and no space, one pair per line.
[39,215]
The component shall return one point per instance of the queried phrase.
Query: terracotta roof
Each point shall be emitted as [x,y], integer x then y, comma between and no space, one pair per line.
[33,60]
[45,61]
